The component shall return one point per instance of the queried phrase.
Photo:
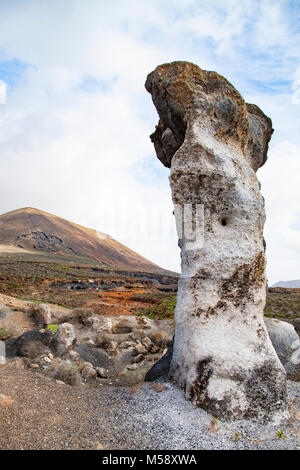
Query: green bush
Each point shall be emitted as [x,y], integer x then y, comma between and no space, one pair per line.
[53,328]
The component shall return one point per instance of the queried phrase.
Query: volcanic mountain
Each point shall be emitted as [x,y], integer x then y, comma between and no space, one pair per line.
[295,284]
[33,231]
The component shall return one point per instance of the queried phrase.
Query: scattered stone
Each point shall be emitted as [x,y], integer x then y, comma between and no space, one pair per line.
[65,338]
[101,372]
[74,356]
[34,366]
[159,338]
[60,382]
[127,345]
[89,373]
[121,328]
[6,401]
[136,388]
[138,359]
[85,364]
[213,426]
[111,347]
[154,349]
[147,343]
[131,367]
[140,349]
[158,387]
[41,314]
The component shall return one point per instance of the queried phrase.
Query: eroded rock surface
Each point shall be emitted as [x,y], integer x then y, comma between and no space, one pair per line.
[2,353]
[214,143]
[286,343]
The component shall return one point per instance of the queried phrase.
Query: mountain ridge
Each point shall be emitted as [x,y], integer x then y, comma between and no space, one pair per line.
[293,284]
[37,231]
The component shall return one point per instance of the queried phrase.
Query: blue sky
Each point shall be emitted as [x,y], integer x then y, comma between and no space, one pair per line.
[75,125]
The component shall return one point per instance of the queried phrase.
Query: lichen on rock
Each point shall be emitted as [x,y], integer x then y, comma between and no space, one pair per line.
[213,142]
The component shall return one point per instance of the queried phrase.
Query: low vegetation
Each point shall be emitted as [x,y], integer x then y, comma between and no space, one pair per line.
[283,304]
[26,279]
[280,304]
[53,328]
[163,308]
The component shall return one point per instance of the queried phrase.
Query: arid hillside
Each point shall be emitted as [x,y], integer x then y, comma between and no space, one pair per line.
[31,231]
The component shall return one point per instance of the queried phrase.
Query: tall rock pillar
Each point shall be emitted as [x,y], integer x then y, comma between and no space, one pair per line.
[214,142]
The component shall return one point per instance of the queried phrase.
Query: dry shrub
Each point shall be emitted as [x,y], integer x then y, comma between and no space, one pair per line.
[65,372]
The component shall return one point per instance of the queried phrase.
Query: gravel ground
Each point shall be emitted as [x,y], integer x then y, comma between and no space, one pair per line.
[151,420]
[38,413]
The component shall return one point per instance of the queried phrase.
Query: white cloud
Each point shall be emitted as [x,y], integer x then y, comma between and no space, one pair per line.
[296,87]
[2,92]
[87,156]
[280,187]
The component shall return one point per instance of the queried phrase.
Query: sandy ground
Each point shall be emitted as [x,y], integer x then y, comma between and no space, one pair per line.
[38,413]
[13,249]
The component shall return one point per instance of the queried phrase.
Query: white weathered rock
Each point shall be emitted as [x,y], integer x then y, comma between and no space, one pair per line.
[65,337]
[111,347]
[214,142]
[73,355]
[127,345]
[140,349]
[47,359]
[2,353]
[147,343]
[286,343]
[42,314]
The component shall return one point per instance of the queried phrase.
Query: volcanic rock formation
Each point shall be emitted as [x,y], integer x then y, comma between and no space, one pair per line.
[214,143]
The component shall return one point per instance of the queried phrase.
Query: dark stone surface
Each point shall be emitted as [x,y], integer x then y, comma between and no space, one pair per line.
[29,344]
[96,356]
[162,367]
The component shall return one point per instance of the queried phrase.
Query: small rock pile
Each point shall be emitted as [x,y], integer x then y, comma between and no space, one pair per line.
[80,347]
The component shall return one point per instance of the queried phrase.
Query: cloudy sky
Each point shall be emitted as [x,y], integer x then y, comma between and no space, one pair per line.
[75,118]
